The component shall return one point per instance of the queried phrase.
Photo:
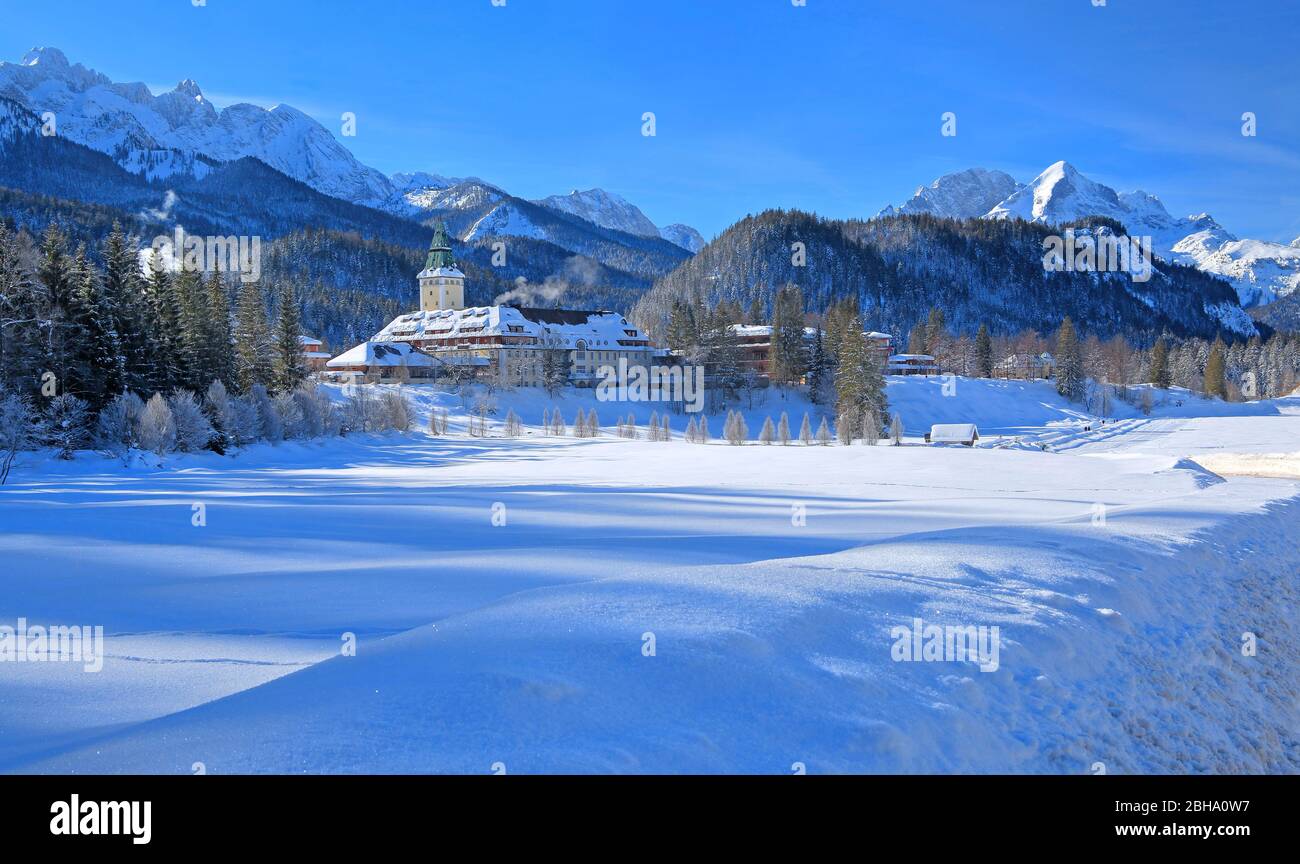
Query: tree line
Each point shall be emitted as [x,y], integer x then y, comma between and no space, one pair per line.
[83,331]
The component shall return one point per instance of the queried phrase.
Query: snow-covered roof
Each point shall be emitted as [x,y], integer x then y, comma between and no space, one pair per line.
[382,354]
[441,271]
[941,433]
[553,328]
[307,340]
[903,357]
[755,330]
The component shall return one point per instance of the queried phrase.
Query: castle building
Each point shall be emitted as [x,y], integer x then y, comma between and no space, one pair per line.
[509,344]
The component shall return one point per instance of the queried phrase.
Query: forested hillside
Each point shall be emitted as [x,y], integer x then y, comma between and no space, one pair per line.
[978,272]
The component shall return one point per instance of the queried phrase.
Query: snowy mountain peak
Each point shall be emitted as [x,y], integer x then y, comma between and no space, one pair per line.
[602,208]
[45,57]
[421,181]
[1059,194]
[960,195]
[189,87]
[684,236]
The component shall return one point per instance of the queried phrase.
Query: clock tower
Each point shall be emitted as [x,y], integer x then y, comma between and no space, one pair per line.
[442,285]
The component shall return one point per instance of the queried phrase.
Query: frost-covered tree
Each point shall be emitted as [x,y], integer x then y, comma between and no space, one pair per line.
[736,431]
[870,428]
[692,434]
[317,410]
[193,431]
[844,425]
[117,424]
[823,433]
[220,412]
[21,348]
[783,429]
[397,411]
[269,426]
[767,434]
[245,422]
[805,430]
[896,430]
[291,416]
[67,424]
[157,428]
[16,429]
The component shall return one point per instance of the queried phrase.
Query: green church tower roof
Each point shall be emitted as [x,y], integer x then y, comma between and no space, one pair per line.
[439,249]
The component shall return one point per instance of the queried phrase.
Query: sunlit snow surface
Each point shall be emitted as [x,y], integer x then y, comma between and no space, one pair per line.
[1121,573]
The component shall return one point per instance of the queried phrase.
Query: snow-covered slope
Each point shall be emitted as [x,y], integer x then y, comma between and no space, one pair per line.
[505,219]
[684,236]
[605,209]
[463,195]
[610,210]
[1260,271]
[962,195]
[167,134]
[522,641]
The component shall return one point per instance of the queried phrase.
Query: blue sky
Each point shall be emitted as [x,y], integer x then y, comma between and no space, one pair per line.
[833,107]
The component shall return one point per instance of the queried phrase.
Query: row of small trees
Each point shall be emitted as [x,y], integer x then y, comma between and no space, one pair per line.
[180,421]
[849,427]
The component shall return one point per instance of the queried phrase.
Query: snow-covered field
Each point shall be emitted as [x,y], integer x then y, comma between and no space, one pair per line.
[551,604]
